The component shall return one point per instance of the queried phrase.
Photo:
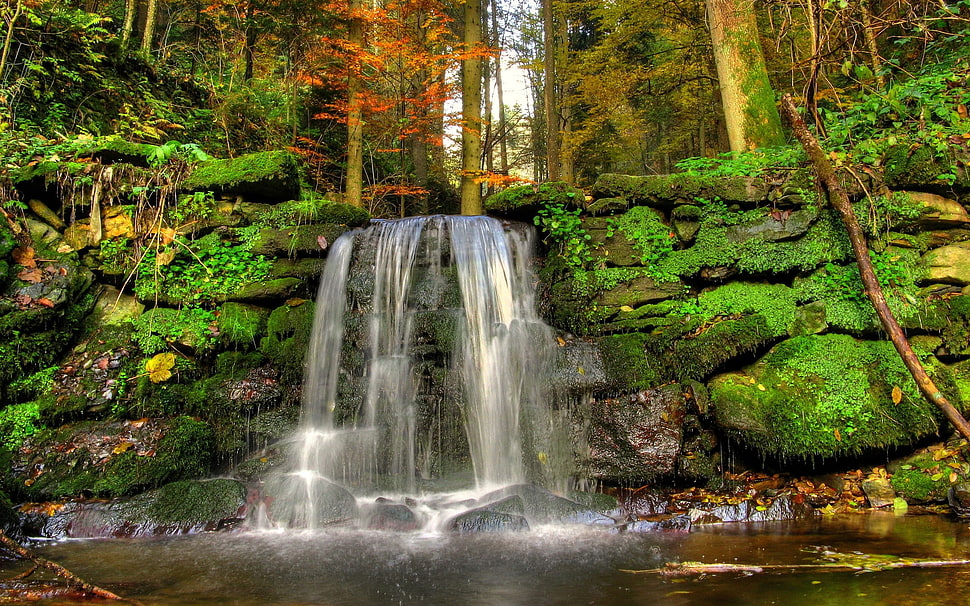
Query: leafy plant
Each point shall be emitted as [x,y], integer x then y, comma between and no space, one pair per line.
[565,228]
[17,423]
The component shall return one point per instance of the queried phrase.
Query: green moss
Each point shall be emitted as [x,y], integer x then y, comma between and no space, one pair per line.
[667,191]
[912,166]
[287,338]
[625,361]
[651,237]
[524,201]
[159,329]
[824,242]
[825,396]
[17,423]
[776,303]
[271,174]
[313,210]
[241,325]
[192,502]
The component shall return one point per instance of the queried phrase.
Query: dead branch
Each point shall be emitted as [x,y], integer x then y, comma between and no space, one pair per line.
[839,200]
[829,562]
[64,573]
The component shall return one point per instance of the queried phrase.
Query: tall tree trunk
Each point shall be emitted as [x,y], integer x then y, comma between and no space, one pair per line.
[549,91]
[840,201]
[128,25]
[503,145]
[872,45]
[151,18]
[249,50]
[8,38]
[749,101]
[471,110]
[354,177]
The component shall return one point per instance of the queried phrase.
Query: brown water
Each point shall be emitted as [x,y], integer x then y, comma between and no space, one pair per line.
[564,565]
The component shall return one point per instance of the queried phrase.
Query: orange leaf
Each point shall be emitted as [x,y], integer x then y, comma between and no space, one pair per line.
[45,302]
[838,434]
[897,395]
[31,275]
[25,257]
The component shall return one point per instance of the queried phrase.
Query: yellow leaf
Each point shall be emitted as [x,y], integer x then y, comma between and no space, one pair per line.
[159,367]
[626,308]
[762,387]
[897,395]
[953,477]
[581,370]
[123,447]
[838,434]
[542,457]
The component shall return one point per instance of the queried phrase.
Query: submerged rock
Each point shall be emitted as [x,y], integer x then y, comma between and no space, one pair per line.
[486,520]
[328,504]
[384,515]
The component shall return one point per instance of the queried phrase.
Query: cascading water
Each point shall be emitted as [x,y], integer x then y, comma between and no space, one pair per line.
[379,404]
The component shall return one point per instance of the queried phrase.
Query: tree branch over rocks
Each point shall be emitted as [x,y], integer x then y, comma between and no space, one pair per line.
[839,200]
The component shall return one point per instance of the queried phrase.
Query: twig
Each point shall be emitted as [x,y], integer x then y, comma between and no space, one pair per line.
[64,573]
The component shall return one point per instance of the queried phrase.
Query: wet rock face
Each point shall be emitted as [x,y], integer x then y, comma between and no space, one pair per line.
[487,520]
[632,438]
[178,508]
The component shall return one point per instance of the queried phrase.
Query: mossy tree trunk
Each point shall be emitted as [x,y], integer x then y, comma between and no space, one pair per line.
[750,112]
[471,110]
[151,18]
[549,91]
[354,177]
[840,202]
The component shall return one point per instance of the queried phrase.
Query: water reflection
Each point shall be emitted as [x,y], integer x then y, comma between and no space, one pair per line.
[565,565]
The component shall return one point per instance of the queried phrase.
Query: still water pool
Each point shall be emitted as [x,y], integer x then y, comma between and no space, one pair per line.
[563,565]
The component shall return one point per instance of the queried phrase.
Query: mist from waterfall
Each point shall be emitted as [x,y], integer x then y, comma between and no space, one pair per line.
[374,433]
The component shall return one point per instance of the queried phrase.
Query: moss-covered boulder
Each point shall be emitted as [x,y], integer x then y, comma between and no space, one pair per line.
[110,458]
[287,338]
[666,191]
[183,507]
[523,202]
[948,264]
[825,396]
[267,176]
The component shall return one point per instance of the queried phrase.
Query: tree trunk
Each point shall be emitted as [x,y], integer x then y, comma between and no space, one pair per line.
[471,110]
[354,177]
[249,52]
[549,91]
[840,201]
[151,17]
[749,101]
[503,145]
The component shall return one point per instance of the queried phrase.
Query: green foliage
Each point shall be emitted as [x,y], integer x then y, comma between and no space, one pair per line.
[880,214]
[564,228]
[651,238]
[777,303]
[921,109]
[32,386]
[746,164]
[200,272]
[157,329]
[241,324]
[17,423]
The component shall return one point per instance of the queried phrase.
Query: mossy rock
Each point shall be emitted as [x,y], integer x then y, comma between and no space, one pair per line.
[271,175]
[305,269]
[919,168]
[824,397]
[720,245]
[921,478]
[523,202]
[193,502]
[241,325]
[278,289]
[112,458]
[287,339]
[189,330]
[667,191]
[297,241]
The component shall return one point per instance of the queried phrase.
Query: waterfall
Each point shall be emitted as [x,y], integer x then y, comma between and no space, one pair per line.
[423,325]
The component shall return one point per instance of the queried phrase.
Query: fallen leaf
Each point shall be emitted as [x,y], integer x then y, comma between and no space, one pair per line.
[626,308]
[31,275]
[322,242]
[159,367]
[123,447]
[838,434]
[24,256]
[45,302]
[897,395]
